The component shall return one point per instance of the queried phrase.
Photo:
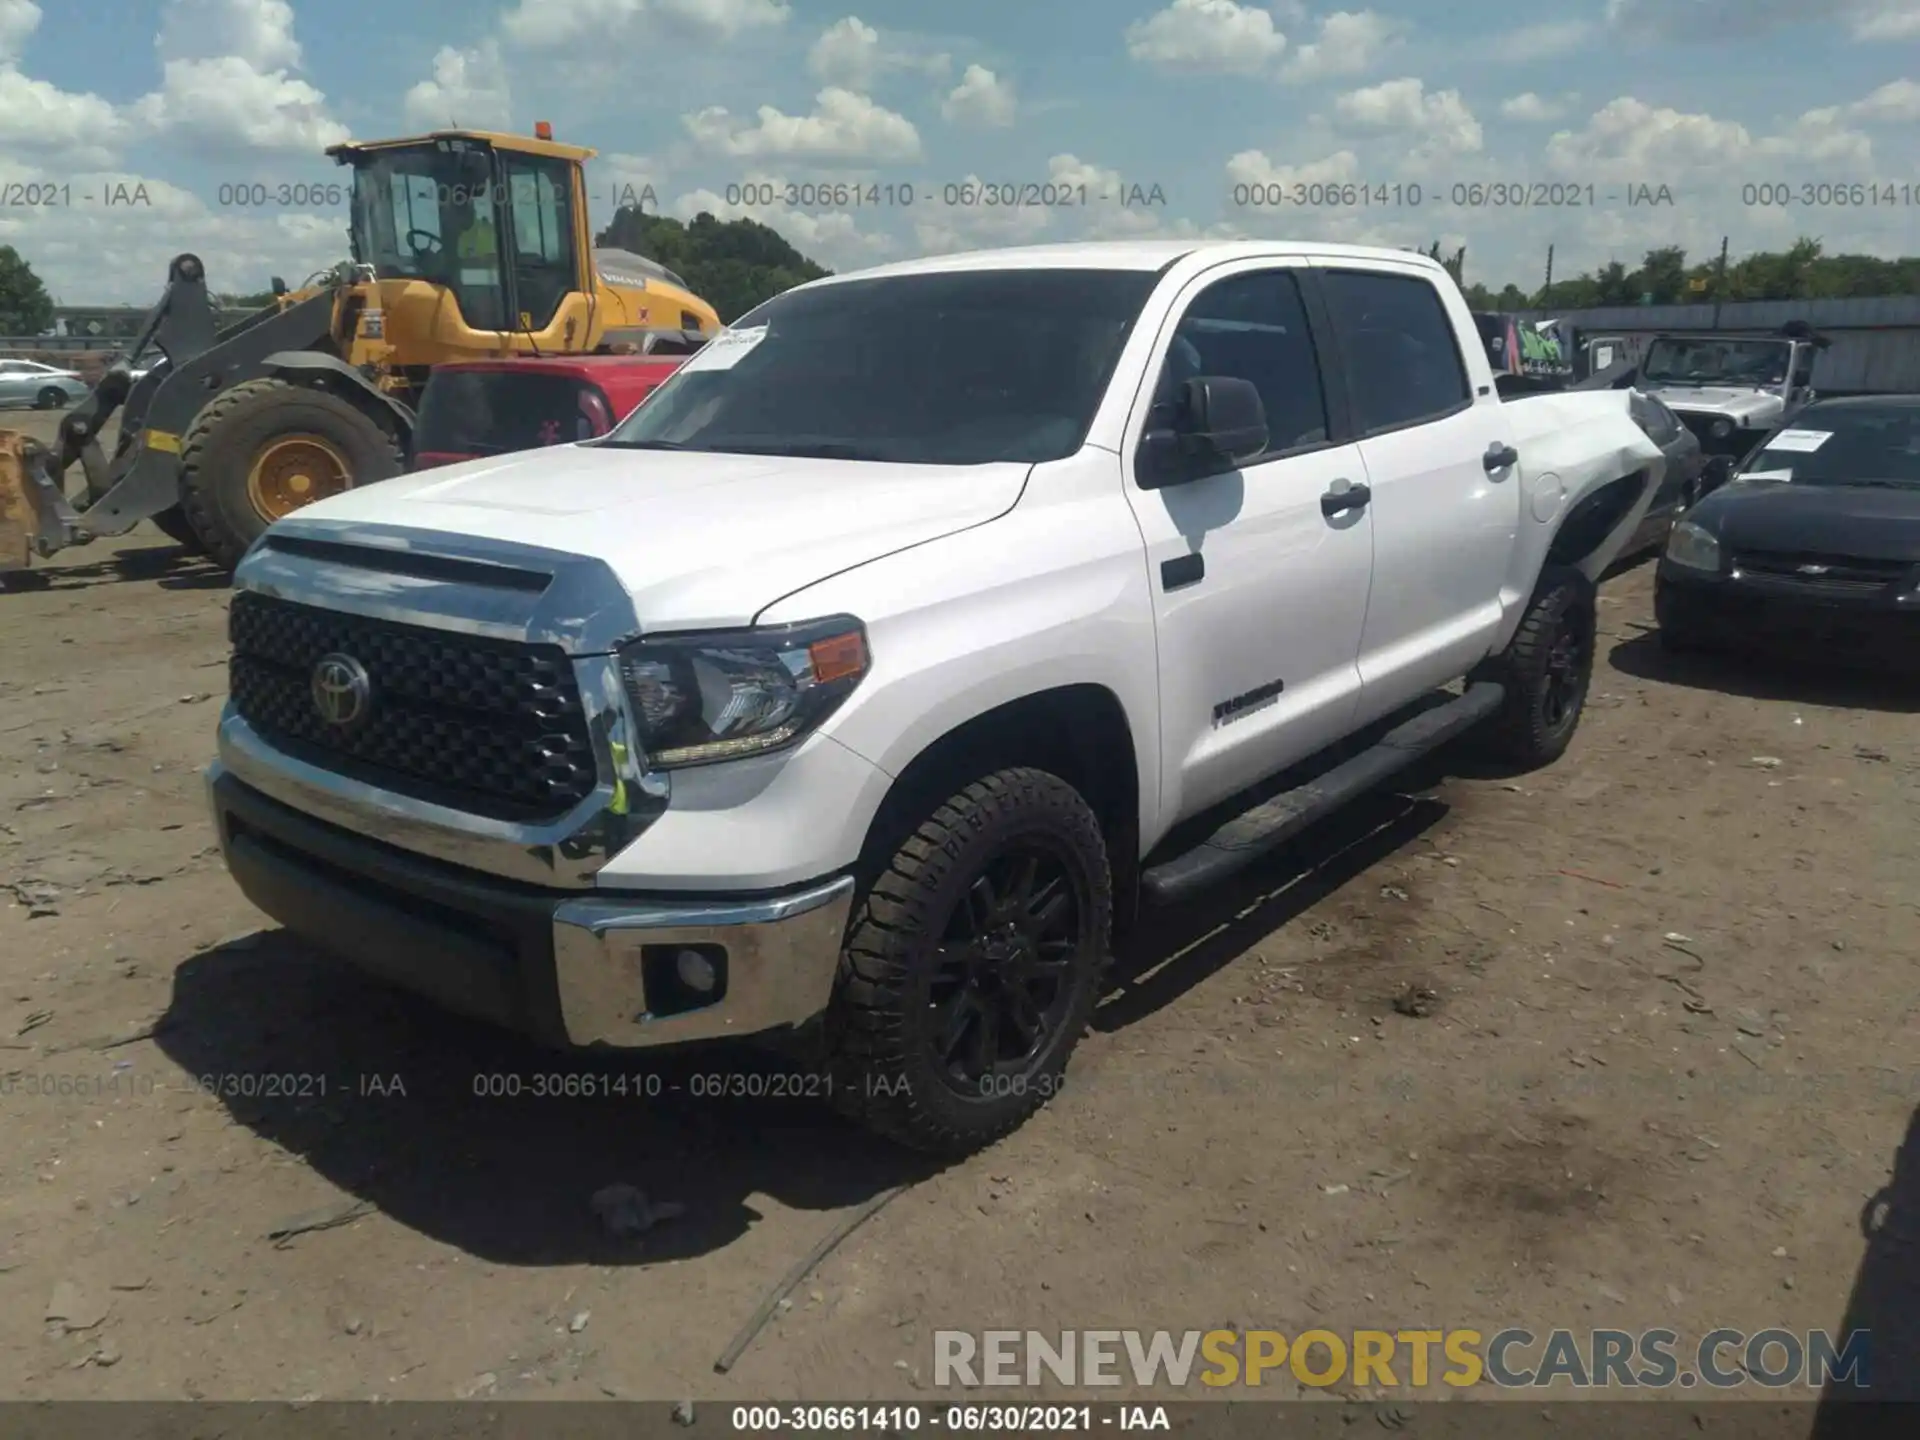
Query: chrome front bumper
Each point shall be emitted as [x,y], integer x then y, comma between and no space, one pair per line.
[780,958]
[566,969]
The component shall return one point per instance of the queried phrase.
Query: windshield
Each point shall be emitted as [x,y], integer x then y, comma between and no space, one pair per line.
[1876,445]
[427,213]
[1718,362]
[959,368]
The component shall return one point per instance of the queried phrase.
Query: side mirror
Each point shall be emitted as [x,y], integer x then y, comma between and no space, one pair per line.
[278,286]
[1219,423]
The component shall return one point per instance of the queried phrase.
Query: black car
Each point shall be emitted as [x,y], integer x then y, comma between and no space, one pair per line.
[1813,546]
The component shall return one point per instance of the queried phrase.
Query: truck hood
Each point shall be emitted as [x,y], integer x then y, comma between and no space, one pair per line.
[1748,409]
[1864,522]
[698,540]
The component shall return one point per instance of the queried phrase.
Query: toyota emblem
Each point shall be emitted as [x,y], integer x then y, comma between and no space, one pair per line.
[342,690]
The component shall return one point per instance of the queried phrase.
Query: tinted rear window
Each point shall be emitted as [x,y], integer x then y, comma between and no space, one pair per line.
[491,412]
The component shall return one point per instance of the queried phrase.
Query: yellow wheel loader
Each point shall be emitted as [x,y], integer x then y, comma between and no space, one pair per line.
[465,244]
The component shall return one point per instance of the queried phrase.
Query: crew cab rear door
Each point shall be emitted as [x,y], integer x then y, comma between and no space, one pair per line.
[1259,578]
[1437,445]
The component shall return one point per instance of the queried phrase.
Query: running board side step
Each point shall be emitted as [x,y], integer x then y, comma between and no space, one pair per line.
[1248,836]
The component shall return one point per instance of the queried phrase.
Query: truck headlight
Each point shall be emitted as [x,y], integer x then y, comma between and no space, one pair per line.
[720,695]
[1721,429]
[1692,546]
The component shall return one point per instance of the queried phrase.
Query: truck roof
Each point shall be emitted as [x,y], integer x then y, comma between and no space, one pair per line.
[1132,255]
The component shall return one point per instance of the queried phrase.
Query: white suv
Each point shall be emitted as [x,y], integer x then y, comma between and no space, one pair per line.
[859,685]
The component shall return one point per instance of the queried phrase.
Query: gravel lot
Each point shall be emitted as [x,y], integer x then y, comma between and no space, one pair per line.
[1628,1042]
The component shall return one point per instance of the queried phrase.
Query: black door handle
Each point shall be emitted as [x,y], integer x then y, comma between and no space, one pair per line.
[1500,456]
[1344,497]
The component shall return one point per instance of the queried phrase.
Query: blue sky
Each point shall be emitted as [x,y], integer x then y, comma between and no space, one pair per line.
[1205,99]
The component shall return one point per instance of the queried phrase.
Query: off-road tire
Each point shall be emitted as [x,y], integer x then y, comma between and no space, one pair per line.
[51,398]
[172,522]
[1525,733]
[883,1074]
[225,436]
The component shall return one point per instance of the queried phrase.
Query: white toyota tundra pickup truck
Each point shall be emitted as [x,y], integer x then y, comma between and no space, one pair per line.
[857,689]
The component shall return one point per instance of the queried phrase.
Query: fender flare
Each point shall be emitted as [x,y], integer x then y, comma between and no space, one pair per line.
[303,367]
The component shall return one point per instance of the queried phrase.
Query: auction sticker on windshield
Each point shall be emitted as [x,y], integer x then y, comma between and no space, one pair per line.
[1799,440]
[726,350]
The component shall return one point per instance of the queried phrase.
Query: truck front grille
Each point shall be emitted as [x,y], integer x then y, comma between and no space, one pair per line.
[1836,575]
[491,727]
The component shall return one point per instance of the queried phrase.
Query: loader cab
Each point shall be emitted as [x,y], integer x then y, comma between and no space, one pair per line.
[494,225]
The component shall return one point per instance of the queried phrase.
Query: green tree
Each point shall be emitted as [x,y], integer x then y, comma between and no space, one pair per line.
[25,306]
[258,301]
[733,265]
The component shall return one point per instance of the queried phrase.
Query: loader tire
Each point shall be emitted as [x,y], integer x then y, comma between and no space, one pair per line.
[172,522]
[229,504]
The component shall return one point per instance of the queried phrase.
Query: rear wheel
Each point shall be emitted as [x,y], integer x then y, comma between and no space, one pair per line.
[268,447]
[1546,671]
[972,965]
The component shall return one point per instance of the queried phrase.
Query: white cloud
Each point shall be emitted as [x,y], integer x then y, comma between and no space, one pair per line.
[1439,119]
[1530,108]
[18,20]
[847,54]
[843,126]
[260,32]
[1349,43]
[1545,41]
[40,119]
[721,19]
[1631,142]
[981,99]
[853,55]
[1207,36]
[227,105]
[834,238]
[468,88]
[1259,171]
[1896,102]
[98,254]
[556,24]
[550,24]
[226,82]
[1721,20]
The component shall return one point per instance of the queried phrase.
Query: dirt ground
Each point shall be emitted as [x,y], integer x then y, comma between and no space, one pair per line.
[1445,1064]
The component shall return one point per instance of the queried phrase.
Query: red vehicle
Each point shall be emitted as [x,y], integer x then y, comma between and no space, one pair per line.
[475,408]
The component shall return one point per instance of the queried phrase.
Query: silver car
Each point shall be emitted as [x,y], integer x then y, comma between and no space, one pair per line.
[29,383]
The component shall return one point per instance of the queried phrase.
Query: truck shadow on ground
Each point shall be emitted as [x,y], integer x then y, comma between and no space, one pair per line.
[1760,677]
[399,1103]
[1885,1303]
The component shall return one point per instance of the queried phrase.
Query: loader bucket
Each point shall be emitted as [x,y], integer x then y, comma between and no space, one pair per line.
[18,521]
[35,518]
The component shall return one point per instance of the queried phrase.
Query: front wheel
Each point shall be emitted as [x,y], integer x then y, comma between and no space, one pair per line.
[51,398]
[1546,670]
[268,447]
[972,965]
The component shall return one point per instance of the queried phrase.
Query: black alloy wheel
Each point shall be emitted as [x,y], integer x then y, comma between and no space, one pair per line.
[1001,981]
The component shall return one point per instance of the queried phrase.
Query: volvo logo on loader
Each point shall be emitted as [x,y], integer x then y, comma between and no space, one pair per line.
[342,690]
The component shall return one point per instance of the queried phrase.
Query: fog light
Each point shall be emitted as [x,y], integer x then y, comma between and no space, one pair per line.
[696,972]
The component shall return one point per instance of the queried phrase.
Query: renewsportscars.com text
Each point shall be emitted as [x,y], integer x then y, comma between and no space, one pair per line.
[1507,1359]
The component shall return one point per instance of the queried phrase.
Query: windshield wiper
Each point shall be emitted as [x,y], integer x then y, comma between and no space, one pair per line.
[608,443]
